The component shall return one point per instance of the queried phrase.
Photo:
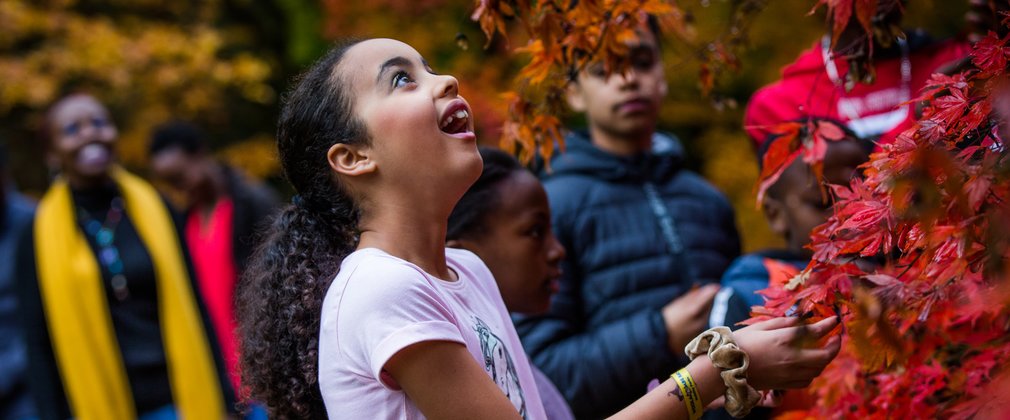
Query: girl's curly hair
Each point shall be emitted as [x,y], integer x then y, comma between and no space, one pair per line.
[279,300]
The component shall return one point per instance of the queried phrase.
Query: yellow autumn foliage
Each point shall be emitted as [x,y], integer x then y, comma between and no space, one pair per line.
[256,156]
[146,70]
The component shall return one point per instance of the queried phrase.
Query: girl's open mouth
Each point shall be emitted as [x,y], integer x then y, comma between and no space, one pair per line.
[456,120]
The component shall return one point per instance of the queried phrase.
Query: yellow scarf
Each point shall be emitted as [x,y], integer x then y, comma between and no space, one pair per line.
[77,310]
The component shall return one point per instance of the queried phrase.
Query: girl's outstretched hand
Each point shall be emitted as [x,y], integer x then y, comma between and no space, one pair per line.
[786,354]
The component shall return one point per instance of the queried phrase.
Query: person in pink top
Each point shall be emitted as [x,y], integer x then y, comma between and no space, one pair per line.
[353,307]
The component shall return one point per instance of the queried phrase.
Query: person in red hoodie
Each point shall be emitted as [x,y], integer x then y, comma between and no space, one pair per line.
[224,213]
[817,83]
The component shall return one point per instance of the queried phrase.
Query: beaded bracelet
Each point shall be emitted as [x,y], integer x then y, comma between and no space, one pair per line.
[732,362]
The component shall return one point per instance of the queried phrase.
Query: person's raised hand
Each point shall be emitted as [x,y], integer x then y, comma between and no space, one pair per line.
[786,354]
[687,316]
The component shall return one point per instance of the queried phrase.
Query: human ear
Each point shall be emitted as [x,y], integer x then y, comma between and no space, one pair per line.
[663,87]
[350,160]
[775,213]
[573,94]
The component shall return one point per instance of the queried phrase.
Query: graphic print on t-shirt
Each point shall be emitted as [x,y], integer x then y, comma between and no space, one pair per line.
[498,364]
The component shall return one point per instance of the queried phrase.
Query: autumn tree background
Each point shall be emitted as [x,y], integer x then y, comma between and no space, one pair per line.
[925,330]
[224,63]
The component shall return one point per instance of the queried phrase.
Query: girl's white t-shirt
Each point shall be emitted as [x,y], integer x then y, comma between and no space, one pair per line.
[379,304]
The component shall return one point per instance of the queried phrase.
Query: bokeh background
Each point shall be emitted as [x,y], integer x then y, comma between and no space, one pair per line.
[225,64]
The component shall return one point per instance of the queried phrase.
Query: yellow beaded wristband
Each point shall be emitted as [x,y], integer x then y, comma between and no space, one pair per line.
[689,390]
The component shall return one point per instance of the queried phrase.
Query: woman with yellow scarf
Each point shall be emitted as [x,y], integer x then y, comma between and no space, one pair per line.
[114,326]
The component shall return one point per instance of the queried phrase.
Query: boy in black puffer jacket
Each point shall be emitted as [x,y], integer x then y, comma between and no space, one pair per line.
[641,234]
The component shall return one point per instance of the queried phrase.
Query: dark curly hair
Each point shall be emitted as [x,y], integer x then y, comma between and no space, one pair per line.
[469,216]
[279,300]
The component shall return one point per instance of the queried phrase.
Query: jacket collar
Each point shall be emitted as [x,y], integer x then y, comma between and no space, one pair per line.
[581,157]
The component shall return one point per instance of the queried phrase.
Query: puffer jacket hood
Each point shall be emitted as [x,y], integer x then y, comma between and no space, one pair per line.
[582,158]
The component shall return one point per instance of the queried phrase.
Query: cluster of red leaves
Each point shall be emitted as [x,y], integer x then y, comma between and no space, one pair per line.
[563,37]
[793,140]
[915,258]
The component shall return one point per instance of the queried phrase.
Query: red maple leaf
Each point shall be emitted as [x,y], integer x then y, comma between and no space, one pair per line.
[977,189]
[886,287]
[932,130]
[950,108]
[841,12]
[814,144]
[865,9]
[780,154]
[870,222]
[938,82]
[990,55]
[978,114]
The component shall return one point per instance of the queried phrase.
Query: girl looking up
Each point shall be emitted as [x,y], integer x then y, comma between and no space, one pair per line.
[379,148]
[353,307]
